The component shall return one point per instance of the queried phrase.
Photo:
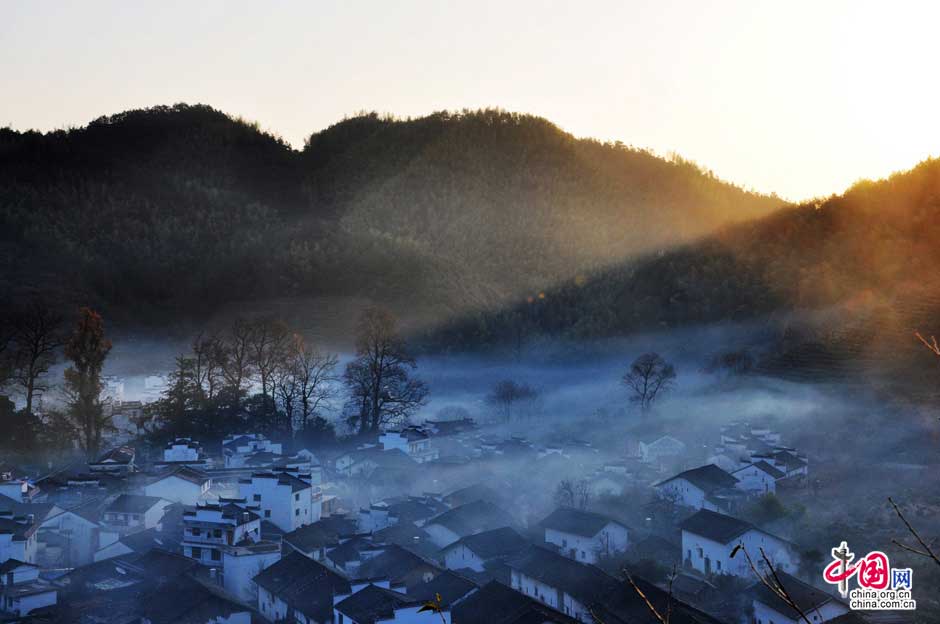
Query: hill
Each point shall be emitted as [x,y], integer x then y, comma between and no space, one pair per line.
[181,209]
[846,281]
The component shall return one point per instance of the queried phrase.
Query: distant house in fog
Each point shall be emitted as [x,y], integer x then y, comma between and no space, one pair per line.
[661,449]
[183,451]
[758,478]
[413,441]
[118,460]
[584,535]
[705,487]
[465,520]
[238,449]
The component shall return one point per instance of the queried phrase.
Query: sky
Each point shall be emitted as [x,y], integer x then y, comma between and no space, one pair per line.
[798,98]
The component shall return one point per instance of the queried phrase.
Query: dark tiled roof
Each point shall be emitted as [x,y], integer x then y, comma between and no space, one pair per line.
[471,493]
[502,542]
[473,518]
[773,472]
[297,571]
[449,586]
[185,473]
[409,537]
[495,603]
[12,564]
[576,521]
[624,605]
[585,582]
[119,455]
[707,478]
[132,503]
[806,597]
[715,526]
[394,563]
[312,537]
[374,603]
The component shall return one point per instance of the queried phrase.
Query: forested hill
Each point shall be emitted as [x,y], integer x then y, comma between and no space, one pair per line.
[184,208]
[867,262]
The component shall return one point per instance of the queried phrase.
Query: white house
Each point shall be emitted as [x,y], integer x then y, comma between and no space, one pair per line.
[209,529]
[242,563]
[819,606]
[283,499]
[181,484]
[133,512]
[374,603]
[17,537]
[758,478]
[474,552]
[583,535]
[14,485]
[298,589]
[708,539]
[705,487]
[465,520]
[412,441]
[559,582]
[78,535]
[183,451]
[21,589]
[236,449]
[661,449]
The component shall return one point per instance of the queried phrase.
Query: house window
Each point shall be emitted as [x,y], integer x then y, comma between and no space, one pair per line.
[197,552]
[256,497]
[267,513]
[718,564]
[197,531]
[216,555]
[297,497]
[297,512]
[217,533]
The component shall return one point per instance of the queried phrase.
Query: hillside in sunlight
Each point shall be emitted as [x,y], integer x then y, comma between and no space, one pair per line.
[841,283]
[182,209]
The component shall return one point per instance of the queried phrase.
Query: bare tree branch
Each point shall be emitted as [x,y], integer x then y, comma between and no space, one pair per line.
[927,550]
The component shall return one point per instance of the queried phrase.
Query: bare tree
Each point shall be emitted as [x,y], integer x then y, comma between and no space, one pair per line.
[380,384]
[649,377]
[315,374]
[565,493]
[925,550]
[268,338]
[582,492]
[236,367]
[37,339]
[507,393]
[209,363]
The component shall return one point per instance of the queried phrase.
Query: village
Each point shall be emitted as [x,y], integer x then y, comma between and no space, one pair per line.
[418,524]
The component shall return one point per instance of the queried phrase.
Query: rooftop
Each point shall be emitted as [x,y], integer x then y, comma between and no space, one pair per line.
[715,526]
[576,521]
[707,478]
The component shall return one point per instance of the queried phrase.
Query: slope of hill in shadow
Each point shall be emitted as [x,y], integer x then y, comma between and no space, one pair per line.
[178,210]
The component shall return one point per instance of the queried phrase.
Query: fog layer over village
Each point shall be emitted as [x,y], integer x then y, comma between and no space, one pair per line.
[544,481]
